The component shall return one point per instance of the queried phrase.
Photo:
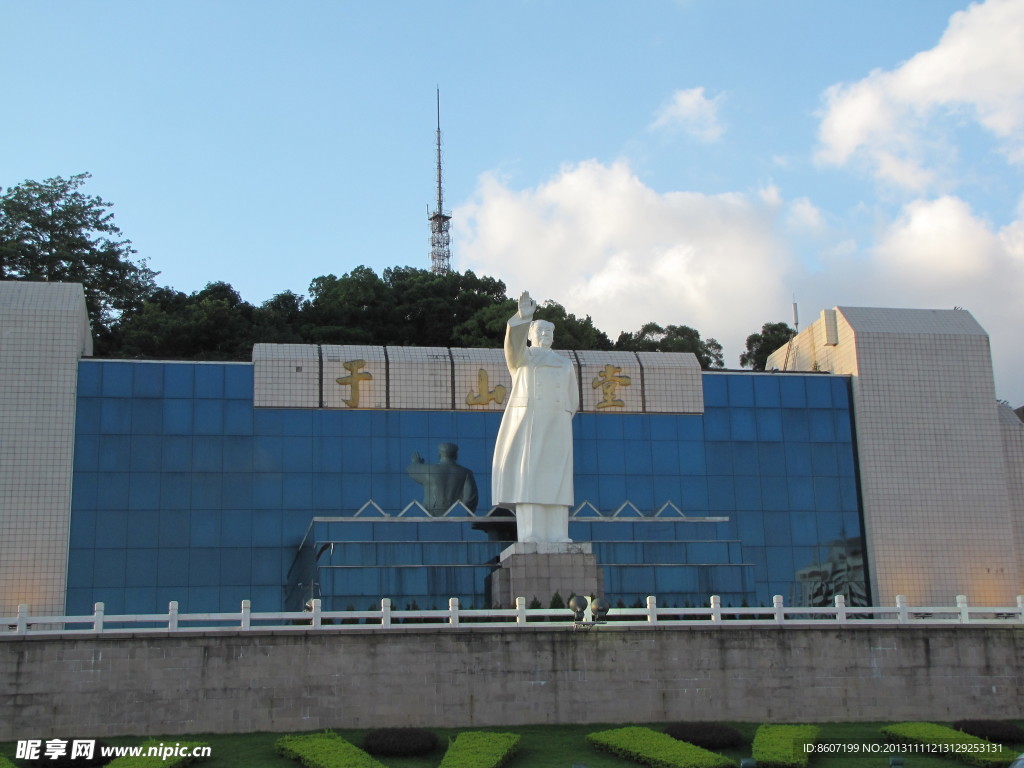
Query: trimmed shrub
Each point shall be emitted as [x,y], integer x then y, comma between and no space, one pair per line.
[480,749]
[992,730]
[658,750]
[5,763]
[324,750]
[400,742]
[952,744]
[145,761]
[706,735]
[783,746]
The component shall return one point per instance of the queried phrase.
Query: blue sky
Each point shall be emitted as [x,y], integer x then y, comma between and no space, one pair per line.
[698,162]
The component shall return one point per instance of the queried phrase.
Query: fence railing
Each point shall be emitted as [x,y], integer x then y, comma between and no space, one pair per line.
[713,615]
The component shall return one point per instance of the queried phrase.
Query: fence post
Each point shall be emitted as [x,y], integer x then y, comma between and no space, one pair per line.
[385,612]
[961,604]
[317,618]
[172,616]
[841,609]
[23,618]
[453,611]
[901,609]
[246,609]
[97,617]
[588,612]
[778,605]
[716,609]
[520,610]
[1020,607]
[652,609]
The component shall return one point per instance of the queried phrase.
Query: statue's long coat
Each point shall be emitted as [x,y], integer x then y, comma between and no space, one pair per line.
[533,453]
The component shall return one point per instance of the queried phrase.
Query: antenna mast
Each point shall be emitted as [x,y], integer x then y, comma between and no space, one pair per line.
[440,239]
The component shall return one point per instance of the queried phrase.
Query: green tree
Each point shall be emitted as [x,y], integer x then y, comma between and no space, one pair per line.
[673,338]
[211,324]
[351,309]
[773,336]
[571,332]
[52,231]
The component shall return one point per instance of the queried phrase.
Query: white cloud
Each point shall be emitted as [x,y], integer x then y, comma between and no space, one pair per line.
[596,239]
[891,120]
[940,254]
[692,112]
[804,216]
[599,241]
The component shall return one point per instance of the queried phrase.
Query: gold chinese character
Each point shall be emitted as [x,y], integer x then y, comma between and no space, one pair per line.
[486,395]
[353,379]
[609,380]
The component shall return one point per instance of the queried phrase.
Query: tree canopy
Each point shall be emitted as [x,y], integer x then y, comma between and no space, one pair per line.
[673,338]
[761,345]
[52,231]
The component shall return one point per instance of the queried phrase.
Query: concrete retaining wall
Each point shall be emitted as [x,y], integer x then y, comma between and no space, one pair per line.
[163,685]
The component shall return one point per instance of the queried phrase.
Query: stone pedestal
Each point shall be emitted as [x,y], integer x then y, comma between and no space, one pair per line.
[539,570]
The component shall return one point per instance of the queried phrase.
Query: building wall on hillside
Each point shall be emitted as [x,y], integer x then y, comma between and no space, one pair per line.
[183,490]
[935,474]
[44,330]
[1012,429]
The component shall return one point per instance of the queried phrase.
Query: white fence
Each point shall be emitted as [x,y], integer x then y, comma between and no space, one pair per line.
[387,618]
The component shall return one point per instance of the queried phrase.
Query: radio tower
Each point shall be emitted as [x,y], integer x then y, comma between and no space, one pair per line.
[440,240]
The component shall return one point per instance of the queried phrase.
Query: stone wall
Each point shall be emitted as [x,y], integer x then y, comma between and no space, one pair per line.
[465,677]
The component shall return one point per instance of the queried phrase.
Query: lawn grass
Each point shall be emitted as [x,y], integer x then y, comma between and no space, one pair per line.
[542,746]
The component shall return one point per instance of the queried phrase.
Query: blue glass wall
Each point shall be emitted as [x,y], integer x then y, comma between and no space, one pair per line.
[183,491]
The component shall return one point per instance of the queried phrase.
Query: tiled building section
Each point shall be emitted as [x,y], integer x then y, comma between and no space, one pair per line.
[1011,424]
[439,378]
[611,382]
[482,380]
[185,491]
[355,377]
[941,515]
[420,377]
[44,330]
[287,375]
[672,382]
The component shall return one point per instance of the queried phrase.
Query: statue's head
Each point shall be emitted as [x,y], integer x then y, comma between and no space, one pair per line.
[448,451]
[542,333]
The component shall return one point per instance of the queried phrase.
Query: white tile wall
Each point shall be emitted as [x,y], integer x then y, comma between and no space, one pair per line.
[1012,429]
[672,382]
[363,371]
[285,376]
[620,372]
[482,380]
[43,334]
[421,378]
[934,468]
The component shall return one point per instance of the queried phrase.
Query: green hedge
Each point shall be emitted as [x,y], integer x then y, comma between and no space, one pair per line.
[783,746]
[659,750]
[145,761]
[951,744]
[480,749]
[5,763]
[324,750]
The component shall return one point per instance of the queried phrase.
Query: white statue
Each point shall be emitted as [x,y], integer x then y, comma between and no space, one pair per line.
[532,468]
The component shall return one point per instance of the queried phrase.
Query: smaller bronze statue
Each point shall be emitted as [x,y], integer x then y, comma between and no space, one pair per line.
[444,483]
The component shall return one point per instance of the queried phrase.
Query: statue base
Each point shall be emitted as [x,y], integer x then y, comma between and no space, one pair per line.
[539,570]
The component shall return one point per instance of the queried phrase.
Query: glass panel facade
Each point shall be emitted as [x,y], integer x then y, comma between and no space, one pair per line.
[184,491]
